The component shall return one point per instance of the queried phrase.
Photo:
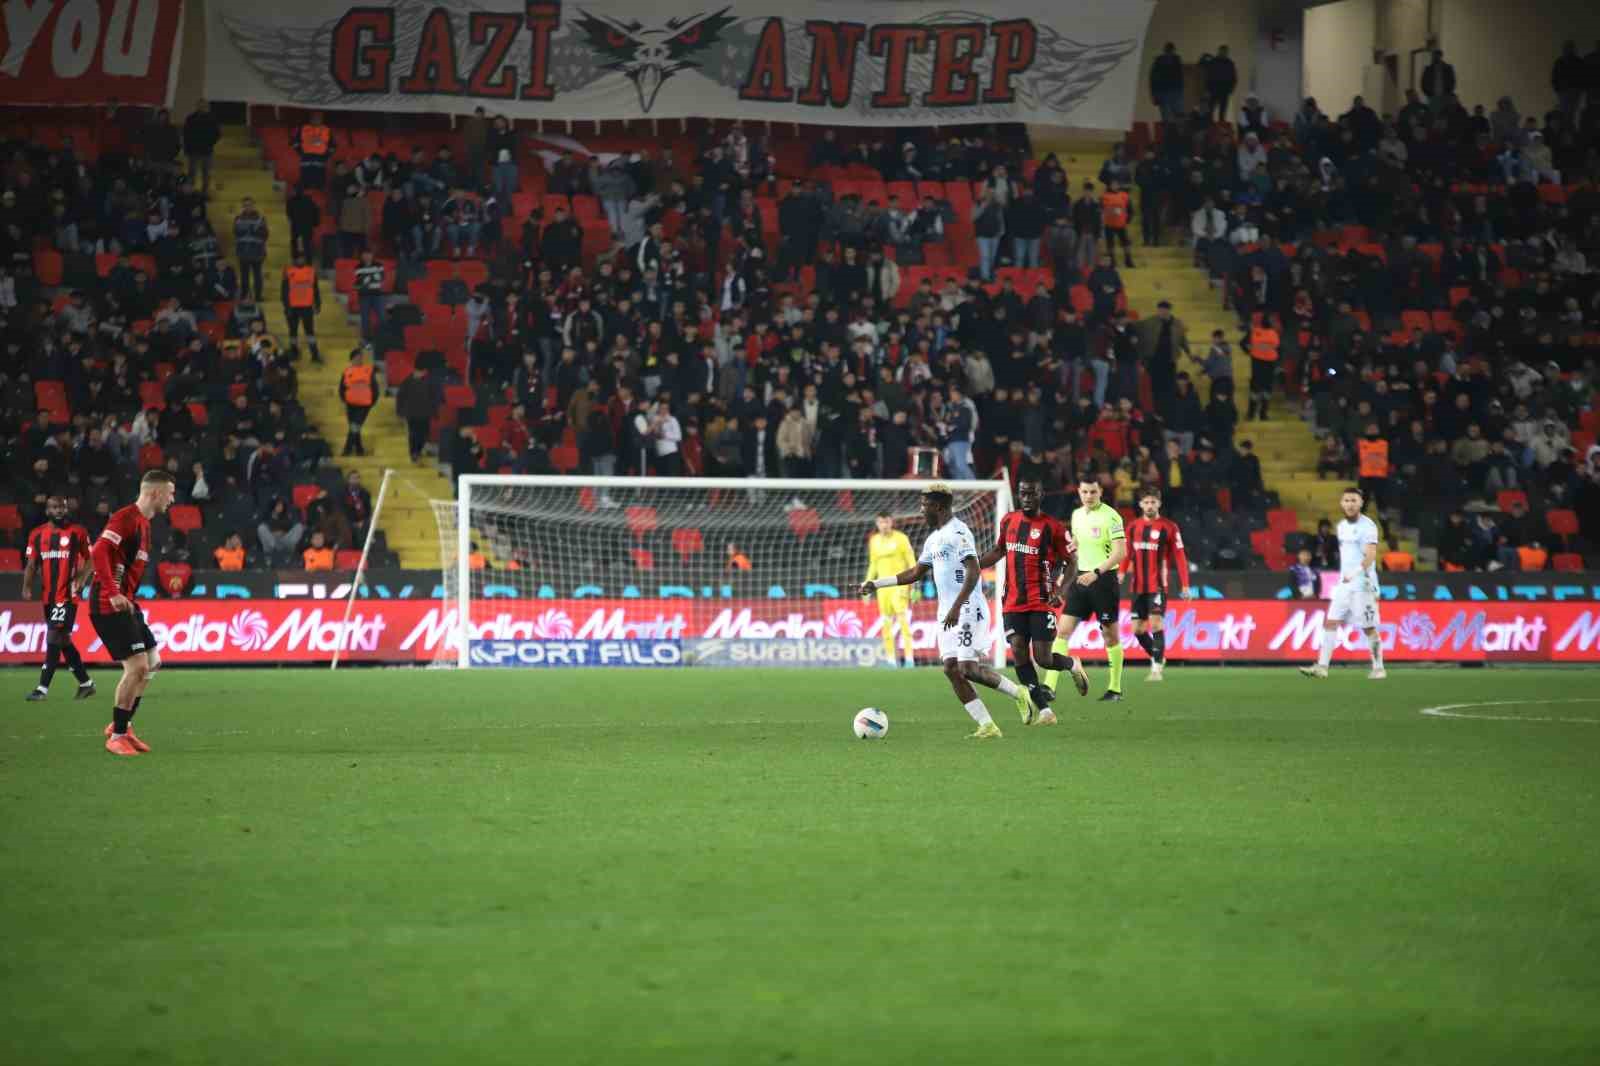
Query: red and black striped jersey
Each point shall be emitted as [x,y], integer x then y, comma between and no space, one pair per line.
[120,556]
[1153,547]
[1036,551]
[58,551]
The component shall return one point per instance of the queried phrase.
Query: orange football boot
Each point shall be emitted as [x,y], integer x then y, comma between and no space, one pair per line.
[121,745]
[138,745]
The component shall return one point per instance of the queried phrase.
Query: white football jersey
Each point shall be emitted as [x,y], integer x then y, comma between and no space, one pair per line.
[1353,540]
[944,550]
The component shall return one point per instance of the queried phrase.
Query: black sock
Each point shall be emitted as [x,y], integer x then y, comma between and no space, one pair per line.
[52,654]
[1061,663]
[135,708]
[119,720]
[1026,672]
[1159,639]
[75,663]
[1146,643]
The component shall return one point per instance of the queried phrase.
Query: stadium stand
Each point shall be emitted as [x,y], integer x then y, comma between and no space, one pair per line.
[1405,300]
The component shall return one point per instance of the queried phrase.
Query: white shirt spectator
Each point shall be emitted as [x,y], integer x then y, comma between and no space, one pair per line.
[668,435]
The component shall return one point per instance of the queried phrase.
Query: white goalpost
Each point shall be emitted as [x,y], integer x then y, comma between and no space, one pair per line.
[640,571]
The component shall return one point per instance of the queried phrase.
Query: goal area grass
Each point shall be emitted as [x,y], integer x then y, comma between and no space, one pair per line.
[1237,866]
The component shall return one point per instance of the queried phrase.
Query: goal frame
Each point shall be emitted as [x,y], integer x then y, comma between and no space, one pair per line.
[999,487]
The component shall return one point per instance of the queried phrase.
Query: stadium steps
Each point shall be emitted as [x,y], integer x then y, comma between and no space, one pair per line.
[1284,442]
[407,521]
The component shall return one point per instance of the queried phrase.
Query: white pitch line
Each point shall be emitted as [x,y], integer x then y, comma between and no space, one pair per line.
[1451,710]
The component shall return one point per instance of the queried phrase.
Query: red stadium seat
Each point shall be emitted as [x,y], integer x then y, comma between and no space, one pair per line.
[347,559]
[185,517]
[150,394]
[642,558]
[805,522]
[642,520]
[1507,497]
[10,559]
[1568,561]
[198,412]
[687,542]
[10,518]
[488,437]
[564,458]
[302,495]
[1563,523]
[1282,519]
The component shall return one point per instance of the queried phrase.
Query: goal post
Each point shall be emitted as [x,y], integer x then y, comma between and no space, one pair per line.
[575,570]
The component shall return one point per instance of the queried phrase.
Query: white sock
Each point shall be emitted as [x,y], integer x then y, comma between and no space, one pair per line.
[1375,646]
[1325,648]
[1008,687]
[40,688]
[979,712]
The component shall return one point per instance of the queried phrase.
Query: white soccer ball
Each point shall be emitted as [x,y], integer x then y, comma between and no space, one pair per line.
[871,724]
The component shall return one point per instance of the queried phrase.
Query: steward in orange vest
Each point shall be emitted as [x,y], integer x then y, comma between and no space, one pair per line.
[1116,209]
[358,388]
[318,558]
[302,301]
[1373,455]
[314,142]
[1263,347]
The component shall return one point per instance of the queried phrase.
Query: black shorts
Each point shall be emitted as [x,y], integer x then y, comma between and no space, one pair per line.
[59,618]
[1034,625]
[1146,604]
[1098,600]
[124,633]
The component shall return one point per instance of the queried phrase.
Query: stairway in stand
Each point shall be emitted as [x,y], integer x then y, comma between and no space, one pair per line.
[407,521]
[1284,441]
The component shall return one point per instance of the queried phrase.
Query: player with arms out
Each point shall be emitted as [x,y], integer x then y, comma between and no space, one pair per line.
[1037,553]
[1101,547]
[1154,544]
[120,557]
[59,551]
[889,552]
[1355,597]
[952,555]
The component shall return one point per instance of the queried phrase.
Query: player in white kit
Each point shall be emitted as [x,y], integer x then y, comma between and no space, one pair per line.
[964,640]
[1355,597]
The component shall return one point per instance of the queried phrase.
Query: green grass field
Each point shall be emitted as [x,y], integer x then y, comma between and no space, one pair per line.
[405,867]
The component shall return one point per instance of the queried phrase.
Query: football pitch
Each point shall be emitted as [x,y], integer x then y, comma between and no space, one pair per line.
[402,867]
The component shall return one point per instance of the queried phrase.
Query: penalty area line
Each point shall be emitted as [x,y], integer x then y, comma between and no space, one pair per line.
[1455,710]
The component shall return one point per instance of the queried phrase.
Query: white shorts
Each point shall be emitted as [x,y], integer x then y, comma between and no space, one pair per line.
[969,640]
[1354,603]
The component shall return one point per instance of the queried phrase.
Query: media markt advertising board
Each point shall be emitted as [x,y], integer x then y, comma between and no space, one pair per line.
[814,633]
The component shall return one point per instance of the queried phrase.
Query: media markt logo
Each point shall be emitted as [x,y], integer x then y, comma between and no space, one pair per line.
[842,623]
[248,630]
[553,624]
[1416,631]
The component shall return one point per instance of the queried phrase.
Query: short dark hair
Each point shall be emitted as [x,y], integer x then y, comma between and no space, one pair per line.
[885,514]
[1148,491]
[1357,489]
[157,477]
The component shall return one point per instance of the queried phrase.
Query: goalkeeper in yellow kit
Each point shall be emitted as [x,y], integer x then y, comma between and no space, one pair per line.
[889,552]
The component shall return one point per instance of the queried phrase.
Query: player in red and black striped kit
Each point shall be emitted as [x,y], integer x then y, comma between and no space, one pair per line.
[1155,546]
[59,551]
[1036,548]
[120,557]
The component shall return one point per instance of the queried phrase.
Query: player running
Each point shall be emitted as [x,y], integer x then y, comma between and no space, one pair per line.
[952,555]
[1035,548]
[889,552]
[1355,597]
[59,550]
[1154,544]
[1101,547]
[119,557]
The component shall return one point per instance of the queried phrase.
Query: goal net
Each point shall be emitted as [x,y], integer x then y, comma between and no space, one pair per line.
[574,571]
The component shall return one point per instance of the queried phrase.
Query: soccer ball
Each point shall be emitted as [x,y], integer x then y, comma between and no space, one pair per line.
[871,724]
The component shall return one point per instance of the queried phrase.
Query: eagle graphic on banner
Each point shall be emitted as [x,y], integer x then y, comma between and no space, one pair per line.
[589,49]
